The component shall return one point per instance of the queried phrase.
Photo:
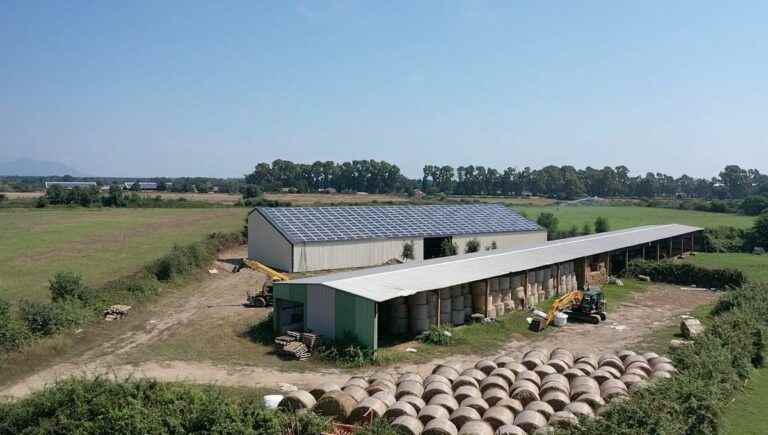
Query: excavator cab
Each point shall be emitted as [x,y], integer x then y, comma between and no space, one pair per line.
[591,308]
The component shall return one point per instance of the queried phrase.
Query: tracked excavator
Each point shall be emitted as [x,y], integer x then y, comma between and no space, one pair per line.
[581,305]
[263,297]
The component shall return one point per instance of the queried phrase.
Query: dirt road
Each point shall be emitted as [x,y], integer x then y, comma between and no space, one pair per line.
[658,307]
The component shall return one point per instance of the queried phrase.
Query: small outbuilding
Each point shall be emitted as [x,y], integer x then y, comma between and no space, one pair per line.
[301,239]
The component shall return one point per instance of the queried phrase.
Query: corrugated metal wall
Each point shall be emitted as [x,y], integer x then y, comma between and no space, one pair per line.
[266,244]
[503,240]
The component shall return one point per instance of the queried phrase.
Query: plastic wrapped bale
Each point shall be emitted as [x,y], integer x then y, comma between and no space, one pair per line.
[322,389]
[529,376]
[386,397]
[367,410]
[407,424]
[595,401]
[580,409]
[447,401]
[564,419]
[457,317]
[465,392]
[356,381]
[336,404]
[541,407]
[506,374]
[434,389]
[418,318]
[493,395]
[500,309]
[356,392]
[297,401]
[431,412]
[477,374]
[446,371]
[412,388]
[587,359]
[477,291]
[465,381]
[446,312]
[439,426]
[478,404]
[494,382]
[533,359]
[464,414]
[479,427]
[510,429]
[556,399]
[498,416]
[416,402]
[562,354]
[583,385]
[529,421]
[467,301]
[399,409]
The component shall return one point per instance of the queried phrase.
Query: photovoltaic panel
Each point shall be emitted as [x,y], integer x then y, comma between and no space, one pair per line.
[321,224]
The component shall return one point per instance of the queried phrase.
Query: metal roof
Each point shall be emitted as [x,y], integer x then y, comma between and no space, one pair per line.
[387,282]
[321,224]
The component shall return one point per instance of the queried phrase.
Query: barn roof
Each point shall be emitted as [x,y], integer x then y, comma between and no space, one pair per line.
[322,224]
[387,282]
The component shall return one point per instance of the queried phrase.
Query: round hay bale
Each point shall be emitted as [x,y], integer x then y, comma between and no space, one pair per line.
[439,426]
[637,372]
[502,361]
[464,414]
[601,376]
[630,379]
[529,421]
[386,397]
[447,372]
[664,367]
[531,362]
[628,360]
[650,355]
[555,378]
[639,365]
[493,395]
[580,409]
[661,375]
[477,403]
[510,429]
[465,381]
[434,389]
[381,376]
[436,378]
[612,371]
[399,409]
[562,353]
[573,373]
[556,399]
[583,385]
[416,402]
[584,367]
[564,419]
[638,386]
[624,354]
[297,401]
[525,394]
[465,392]
[336,404]
[410,377]
[541,407]
[379,386]
[321,389]
[478,427]
[412,388]
[593,400]
[356,381]
[447,401]
[658,360]
[587,359]
[613,383]
[530,377]
[513,405]
[407,424]
[474,373]
[494,382]
[507,374]
[559,365]
[613,362]
[356,392]
[486,366]
[516,368]
[367,409]
[431,412]
[498,416]
[544,370]
[546,430]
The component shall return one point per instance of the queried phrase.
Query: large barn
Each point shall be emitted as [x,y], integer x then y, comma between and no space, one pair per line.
[301,239]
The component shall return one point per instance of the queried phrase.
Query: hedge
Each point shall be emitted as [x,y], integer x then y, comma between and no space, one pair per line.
[687,274]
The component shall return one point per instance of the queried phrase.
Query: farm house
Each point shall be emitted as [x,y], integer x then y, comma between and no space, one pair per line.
[408,298]
[301,239]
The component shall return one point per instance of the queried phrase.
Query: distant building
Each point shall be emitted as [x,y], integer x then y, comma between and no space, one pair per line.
[329,190]
[143,185]
[70,184]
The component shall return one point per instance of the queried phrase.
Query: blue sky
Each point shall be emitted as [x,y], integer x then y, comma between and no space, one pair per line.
[211,88]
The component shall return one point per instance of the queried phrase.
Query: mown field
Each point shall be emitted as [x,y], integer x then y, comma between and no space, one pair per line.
[629,216]
[101,244]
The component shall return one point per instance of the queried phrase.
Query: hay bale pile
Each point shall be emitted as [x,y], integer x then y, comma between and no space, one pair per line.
[517,393]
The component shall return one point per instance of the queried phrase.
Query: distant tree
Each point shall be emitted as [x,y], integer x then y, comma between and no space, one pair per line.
[473,245]
[550,222]
[757,236]
[754,205]
[572,232]
[3,197]
[250,191]
[494,245]
[407,251]
[162,186]
[586,229]
[601,225]
[448,248]
[136,187]
[42,201]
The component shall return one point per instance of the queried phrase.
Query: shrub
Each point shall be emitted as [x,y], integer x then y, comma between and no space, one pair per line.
[586,228]
[757,236]
[448,248]
[407,251]
[47,319]
[13,334]
[347,352]
[437,335]
[473,245]
[687,274]
[723,239]
[602,225]
[66,285]
[754,205]
[550,222]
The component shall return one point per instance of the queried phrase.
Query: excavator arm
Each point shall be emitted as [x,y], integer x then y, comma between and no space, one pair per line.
[264,298]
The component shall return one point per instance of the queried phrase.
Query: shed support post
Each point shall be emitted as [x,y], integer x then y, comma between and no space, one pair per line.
[525,290]
[438,307]
[658,250]
[486,297]
[643,252]
[626,260]
[682,245]
[670,248]
[557,280]
[693,245]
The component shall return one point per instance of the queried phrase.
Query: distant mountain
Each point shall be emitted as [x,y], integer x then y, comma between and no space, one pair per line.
[37,168]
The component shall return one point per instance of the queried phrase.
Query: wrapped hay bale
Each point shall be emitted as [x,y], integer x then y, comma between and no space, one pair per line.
[562,354]
[541,407]
[498,416]
[573,373]
[475,373]
[400,409]
[580,409]
[465,381]
[610,360]
[494,382]
[639,365]
[615,374]
[457,317]
[515,367]
[544,370]
[431,412]
[556,399]
[529,376]
[494,395]
[464,414]
[439,426]
[407,424]
[584,367]
[436,378]
[587,359]
[583,385]
[386,397]
[478,427]
[504,373]
[593,400]
[416,402]
[412,388]
[630,379]
[410,377]
[601,376]
[465,392]
[356,381]
[559,365]
[322,389]
[380,385]
[434,389]
[513,405]
[555,381]
[500,309]
[564,419]
[478,404]
[636,371]
[336,404]
[357,393]
[530,421]
[446,371]
[510,429]
[366,410]
[296,401]
[447,401]
[525,393]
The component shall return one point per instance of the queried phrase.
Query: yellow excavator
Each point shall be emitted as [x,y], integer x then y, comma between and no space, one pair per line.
[583,305]
[262,298]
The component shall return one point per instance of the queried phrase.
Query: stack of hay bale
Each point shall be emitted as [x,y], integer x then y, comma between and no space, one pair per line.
[467,299]
[517,393]
[398,316]
[531,292]
[505,284]
[432,298]
[479,302]
[457,306]
[418,313]
[518,291]
[446,314]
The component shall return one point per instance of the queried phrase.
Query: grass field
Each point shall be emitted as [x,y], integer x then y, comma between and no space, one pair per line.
[754,266]
[746,415]
[101,244]
[629,216]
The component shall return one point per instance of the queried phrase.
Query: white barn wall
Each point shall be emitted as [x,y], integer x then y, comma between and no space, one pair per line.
[503,240]
[350,253]
[321,310]
[266,244]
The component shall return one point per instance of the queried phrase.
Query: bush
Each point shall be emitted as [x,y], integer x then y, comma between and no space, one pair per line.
[448,248]
[44,319]
[687,274]
[757,236]
[550,222]
[13,334]
[602,225]
[754,205]
[723,239]
[407,253]
[347,352]
[437,335]
[68,285]
[473,245]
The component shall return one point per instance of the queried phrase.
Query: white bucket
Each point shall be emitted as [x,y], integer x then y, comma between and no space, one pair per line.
[560,319]
[272,400]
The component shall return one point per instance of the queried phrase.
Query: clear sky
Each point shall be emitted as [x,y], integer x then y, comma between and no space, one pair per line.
[210,88]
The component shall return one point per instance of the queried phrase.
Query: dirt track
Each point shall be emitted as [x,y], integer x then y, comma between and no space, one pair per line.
[658,307]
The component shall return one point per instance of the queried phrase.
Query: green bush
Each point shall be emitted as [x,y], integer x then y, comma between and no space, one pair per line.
[348,352]
[723,239]
[183,260]
[473,245]
[438,335]
[44,319]
[687,274]
[602,225]
[13,334]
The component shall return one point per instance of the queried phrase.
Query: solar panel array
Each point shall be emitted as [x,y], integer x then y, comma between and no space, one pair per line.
[322,224]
